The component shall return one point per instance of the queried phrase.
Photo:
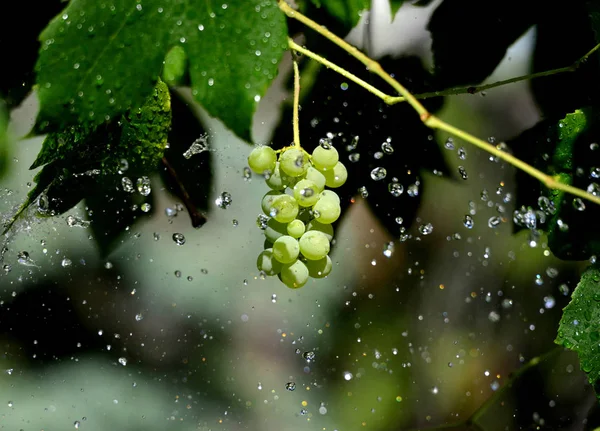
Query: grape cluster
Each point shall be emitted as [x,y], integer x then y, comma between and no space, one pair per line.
[298,232]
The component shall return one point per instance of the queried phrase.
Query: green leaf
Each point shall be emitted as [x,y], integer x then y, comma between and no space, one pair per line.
[394,6]
[568,151]
[175,70]
[347,12]
[469,41]
[5,140]
[100,59]
[579,327]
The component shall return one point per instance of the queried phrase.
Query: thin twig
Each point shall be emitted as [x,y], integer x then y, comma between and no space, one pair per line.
[198,218]
[295,120]
[426,117]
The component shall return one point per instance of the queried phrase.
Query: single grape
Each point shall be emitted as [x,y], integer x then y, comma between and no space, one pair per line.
[274,230]
[327,210]
[325,158]
[274,180]
[293,162]
[314,245]
[319,268]
[326,229]
[284,209]
[286,249]
[316,177]
[294,275]
[262,159]
[268,199]
[296,228]
[330,194]
[337,176]
[306,193]
[266,262]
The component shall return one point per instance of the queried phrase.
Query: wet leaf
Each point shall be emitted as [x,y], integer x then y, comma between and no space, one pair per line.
[99,60]
[562,93]
[189,177]
[469,41]
[566,150]
[81,161]
[346,12]
[579,327]
[113,212]
[175,71]
[20,46]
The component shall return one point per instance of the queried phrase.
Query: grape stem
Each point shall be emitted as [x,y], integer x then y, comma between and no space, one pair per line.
[296,105]
[426,117]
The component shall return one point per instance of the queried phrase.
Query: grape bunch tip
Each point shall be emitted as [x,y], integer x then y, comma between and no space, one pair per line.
[298,233]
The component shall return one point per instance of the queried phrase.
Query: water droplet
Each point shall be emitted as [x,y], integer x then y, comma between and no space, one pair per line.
[549,302]
[468,221]
[198,146]
[463,173]
[10,404]
[386,147]
[273,298]
[73,221]
[123,361]
[261,221]
[494,316]
[170,212]
[177,274]
[344,86]
[395,189]
[309,356]
[594,189]
[494,221]
[139,317]
[378,173]
[143,186]
[388,249]
[76,424]
[247,173]
[290,386]
[413,190]
[66,262]
[578,204]
[426,229]
[363,192]
[6,268]
[235,223]
[204,271]
[348,375]
[146,207]
[354,157]
[462,153]
[224,200]
[127,184]
[179,238]
[449,144]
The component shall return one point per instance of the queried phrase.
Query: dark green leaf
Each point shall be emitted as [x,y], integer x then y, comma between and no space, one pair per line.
[566,150]
[470,40]
[188,178]
[112,212]
[20,46]
[100,59]
[559,94]
[395,5]
[346,12]
[345,111]
[80,161]
[5,140]
[579,327]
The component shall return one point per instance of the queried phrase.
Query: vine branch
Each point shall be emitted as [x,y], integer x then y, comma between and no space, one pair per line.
[295,121]
[426,117]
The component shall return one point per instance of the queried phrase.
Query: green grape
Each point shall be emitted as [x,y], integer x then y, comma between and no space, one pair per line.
[306,193]
[330,194]
[314,245]
[319,268]
[326,229]
[327,210]
[262,159]
[274,230]
[325,158]
[275,181]
[337,176]
[316,177]
[286,249]
[268,200]
[284,209]
[294,275]
[267,263]
[296,228]
[294,162]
